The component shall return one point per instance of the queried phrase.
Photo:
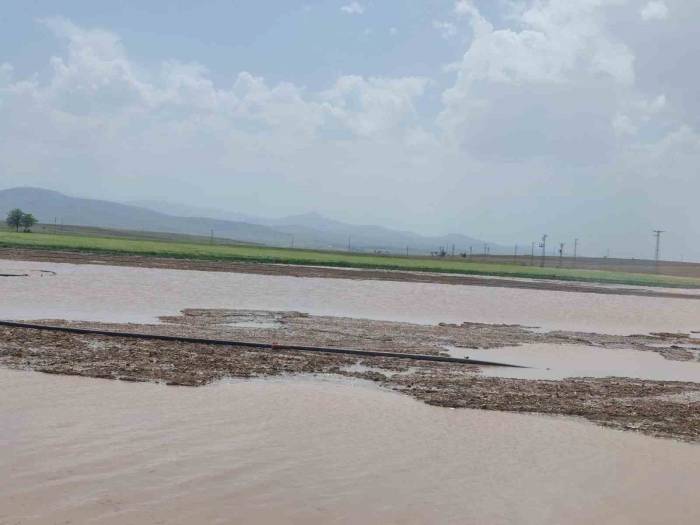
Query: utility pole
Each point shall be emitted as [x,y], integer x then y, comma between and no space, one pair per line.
[349,239]
[211,236]
[515,254]
[470,253]
[292,241]
[543,245]
[657,234]
[575,250]
[406,251]
[561,253]
[532,254]
[453,250]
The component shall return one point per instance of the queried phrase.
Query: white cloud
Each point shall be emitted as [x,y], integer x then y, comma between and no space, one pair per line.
[679,143]
[516,89]
[6,74]
[374,106]
[654,10]
[658,104]
[6,71]
[95,75]
[636,111]
[465,7]
[100,106]
[554,101]
[480,26]
[623,125]
[556,38]
[447,29]
[353,8]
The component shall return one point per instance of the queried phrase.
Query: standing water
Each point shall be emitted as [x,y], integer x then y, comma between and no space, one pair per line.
[140,295]
[79,450]
[559,361]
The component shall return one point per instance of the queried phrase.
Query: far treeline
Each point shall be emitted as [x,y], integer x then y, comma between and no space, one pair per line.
[18,219]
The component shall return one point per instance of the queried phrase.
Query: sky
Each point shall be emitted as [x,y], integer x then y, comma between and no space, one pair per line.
[498,119]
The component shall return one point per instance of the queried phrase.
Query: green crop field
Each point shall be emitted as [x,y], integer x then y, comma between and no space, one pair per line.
[189,250]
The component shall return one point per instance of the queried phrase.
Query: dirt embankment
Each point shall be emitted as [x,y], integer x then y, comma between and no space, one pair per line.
[20,254]
[670,409]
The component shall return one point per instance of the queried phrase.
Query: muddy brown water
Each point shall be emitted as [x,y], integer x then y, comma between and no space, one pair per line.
[306,450]
[123,294]
[559,361]
[78,450]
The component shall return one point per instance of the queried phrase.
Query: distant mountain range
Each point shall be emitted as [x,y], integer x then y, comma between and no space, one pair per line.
[309,230]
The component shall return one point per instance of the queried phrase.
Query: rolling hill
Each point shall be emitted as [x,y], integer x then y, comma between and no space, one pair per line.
[309,230]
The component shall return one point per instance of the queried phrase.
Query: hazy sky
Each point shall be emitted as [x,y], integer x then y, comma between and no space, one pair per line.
[498,119]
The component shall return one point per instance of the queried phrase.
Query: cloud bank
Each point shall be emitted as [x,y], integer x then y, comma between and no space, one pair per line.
[567,119]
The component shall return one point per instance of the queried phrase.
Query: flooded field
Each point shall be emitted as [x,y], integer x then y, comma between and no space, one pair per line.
[311,451]
[325,448]
[140,295]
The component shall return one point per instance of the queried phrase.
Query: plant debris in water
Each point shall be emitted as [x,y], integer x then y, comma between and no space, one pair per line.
[659,408]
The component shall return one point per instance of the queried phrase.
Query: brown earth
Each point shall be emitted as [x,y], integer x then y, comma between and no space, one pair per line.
[608,264]
[659,408]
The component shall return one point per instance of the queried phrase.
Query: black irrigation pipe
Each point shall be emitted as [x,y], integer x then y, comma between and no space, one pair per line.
[259,346]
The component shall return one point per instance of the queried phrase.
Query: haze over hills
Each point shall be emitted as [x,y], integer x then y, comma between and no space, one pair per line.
[309,230]
[186,210]
[49,206]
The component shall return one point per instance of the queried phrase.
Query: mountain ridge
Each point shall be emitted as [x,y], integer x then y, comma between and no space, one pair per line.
[306,230]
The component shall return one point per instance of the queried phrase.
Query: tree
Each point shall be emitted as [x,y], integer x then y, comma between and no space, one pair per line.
[27,221]
[14,218]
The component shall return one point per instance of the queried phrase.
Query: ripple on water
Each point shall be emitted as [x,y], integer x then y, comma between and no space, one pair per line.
[88,450]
